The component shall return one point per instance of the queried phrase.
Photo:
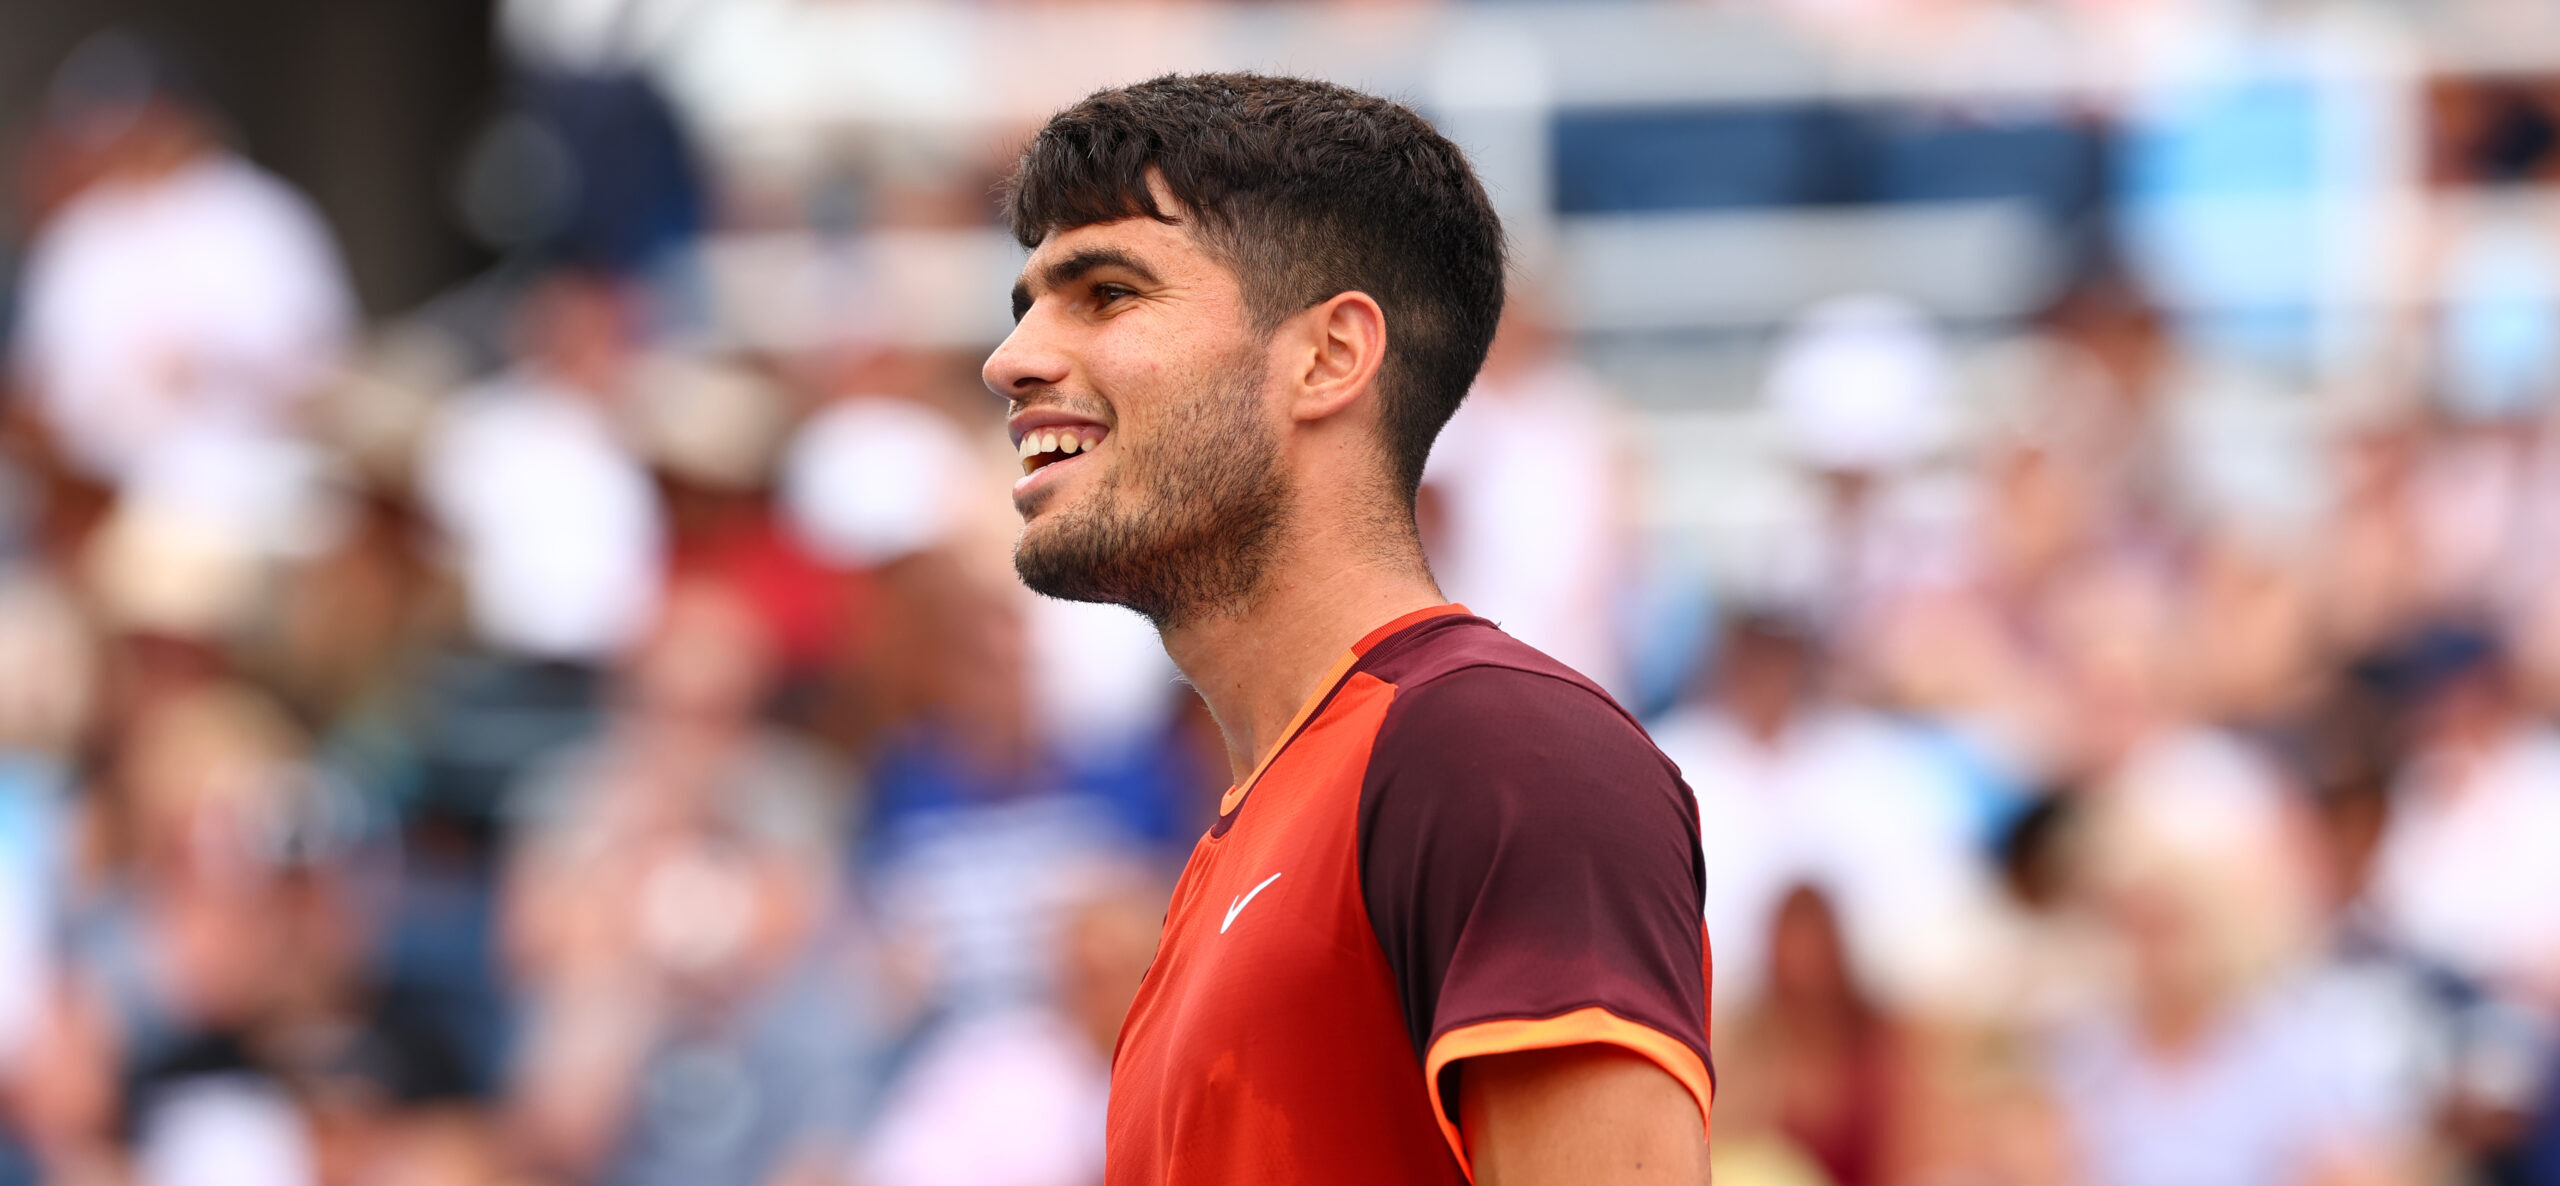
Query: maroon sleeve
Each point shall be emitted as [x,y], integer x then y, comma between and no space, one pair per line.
[1526,855]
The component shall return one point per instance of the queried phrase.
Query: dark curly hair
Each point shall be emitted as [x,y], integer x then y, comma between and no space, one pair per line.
[1304,190]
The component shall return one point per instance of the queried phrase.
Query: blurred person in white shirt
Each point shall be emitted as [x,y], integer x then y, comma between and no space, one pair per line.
[2222,1057]
[1859,392]
[557,529]
[2465,875]
[1795,787]
[180,299]
[1526,511]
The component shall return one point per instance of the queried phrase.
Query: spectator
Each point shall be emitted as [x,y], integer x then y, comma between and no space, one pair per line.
[1859,392]
[557,532]
[2464,876]
[1815,1057]
[1795,786]
[1016,1098]
[668,912]
[1529,497]
[193,938]
[2211,899]
[181,304]
[48,666]
[753,825]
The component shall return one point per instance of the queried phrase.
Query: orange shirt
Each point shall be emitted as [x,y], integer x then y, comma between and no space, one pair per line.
[1461,848]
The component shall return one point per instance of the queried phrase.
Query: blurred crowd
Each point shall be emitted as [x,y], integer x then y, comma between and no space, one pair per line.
[531,739]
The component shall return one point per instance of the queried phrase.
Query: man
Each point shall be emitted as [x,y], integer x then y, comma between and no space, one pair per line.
[180,303]
[1446,926]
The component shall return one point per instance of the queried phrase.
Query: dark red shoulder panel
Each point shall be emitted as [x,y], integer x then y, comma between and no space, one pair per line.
[1525,851]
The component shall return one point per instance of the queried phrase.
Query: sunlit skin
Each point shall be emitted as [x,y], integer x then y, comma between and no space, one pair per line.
[1579,1114]
[1119,324]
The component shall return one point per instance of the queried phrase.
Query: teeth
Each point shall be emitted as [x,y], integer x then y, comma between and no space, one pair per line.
[1039,444]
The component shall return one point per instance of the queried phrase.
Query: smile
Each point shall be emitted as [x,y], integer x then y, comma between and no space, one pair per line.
[1052,449]
[1042,448]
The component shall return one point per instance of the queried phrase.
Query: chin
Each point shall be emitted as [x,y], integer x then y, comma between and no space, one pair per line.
[1047,529]
[1042,503]
[1048,576]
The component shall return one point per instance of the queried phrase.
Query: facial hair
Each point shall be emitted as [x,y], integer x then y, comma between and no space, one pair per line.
[1183,525]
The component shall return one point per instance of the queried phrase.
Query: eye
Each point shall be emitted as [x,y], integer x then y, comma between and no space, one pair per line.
[1105,295]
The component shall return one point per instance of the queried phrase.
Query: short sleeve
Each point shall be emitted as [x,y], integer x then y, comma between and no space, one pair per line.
[1530,863]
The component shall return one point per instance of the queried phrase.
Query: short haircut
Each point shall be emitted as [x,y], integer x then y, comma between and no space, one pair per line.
[1305,190]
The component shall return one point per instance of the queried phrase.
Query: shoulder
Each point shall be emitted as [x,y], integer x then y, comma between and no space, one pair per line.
[1463,687]
[1484,727]
[1524,851]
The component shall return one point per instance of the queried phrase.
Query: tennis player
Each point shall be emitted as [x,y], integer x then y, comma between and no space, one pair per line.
[1446,927]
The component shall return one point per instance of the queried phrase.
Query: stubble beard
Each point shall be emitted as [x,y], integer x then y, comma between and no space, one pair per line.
[1179,529]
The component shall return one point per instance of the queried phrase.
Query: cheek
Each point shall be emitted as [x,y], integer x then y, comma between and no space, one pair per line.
[1140,366]
[1156,381]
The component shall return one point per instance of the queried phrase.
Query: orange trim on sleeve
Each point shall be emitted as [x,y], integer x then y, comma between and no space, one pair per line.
[1582,1027]
[1228,802]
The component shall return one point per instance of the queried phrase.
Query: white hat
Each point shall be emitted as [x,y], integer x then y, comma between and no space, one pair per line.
[873,479]
[1860,383]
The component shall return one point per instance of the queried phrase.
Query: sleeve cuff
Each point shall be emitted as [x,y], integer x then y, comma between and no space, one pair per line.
[1591,1025]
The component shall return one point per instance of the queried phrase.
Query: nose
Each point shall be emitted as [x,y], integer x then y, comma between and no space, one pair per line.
[1029,359]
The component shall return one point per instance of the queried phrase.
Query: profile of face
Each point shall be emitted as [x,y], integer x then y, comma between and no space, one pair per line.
[1144,416]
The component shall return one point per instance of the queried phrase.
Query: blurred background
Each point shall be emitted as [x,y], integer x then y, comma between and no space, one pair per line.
[510,670]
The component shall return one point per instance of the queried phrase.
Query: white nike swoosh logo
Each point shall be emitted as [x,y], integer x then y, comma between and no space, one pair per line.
[1237,907]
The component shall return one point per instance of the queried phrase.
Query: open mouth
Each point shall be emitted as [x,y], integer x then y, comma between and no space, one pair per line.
[1045,447]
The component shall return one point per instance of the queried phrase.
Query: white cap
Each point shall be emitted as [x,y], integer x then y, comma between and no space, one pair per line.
[873,479]
[1860,384]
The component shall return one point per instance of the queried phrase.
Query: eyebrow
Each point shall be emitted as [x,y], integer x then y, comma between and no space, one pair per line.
[1062,272]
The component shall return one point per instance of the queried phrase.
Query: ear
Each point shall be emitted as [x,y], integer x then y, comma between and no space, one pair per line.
[1344,343]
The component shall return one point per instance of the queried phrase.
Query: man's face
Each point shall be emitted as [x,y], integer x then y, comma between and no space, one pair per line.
[1150,448]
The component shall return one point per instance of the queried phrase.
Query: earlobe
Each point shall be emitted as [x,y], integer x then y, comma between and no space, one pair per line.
[1347,343]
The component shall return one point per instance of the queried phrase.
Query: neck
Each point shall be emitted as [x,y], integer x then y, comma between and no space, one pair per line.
[1256,664]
